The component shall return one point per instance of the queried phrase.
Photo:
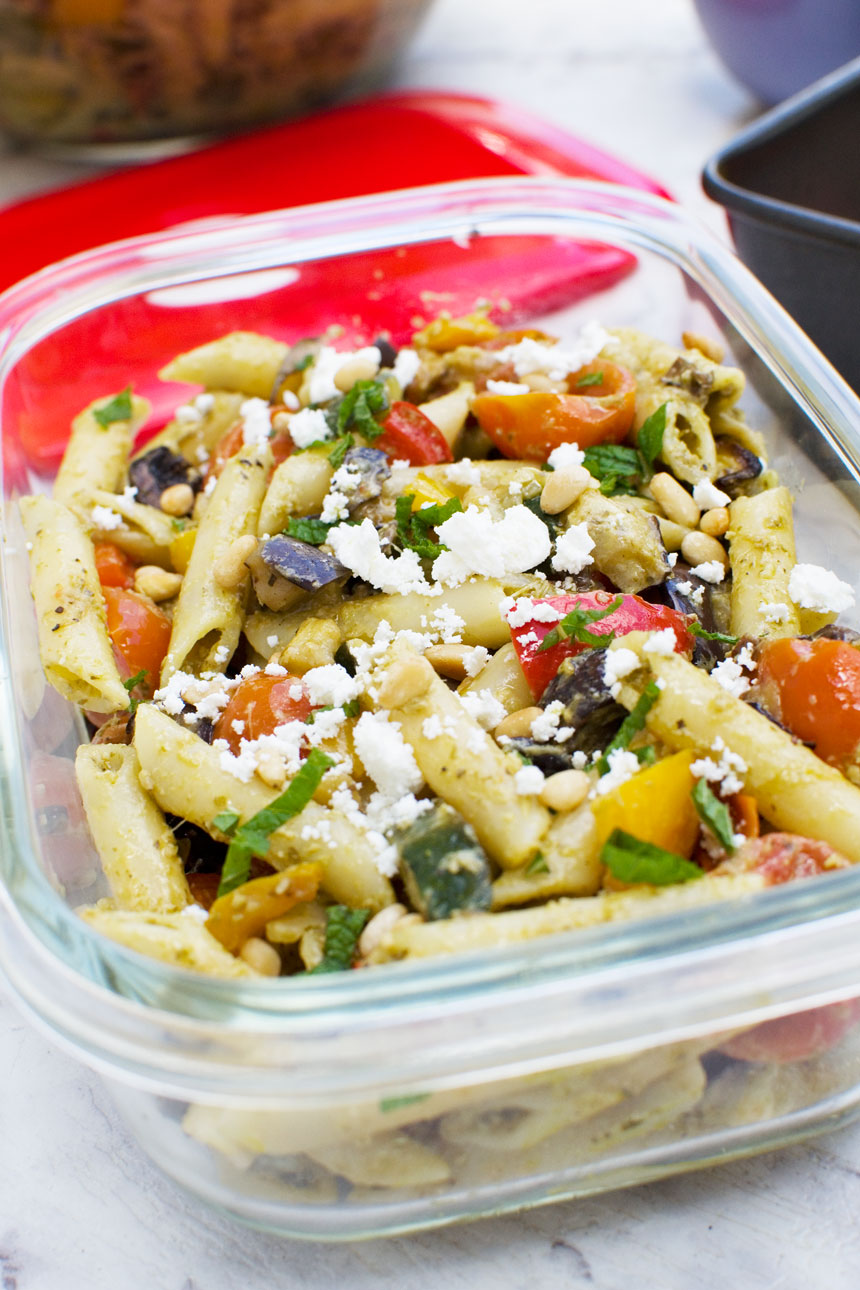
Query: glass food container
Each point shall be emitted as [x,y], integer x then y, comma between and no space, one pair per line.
[92,73]
[380,1101]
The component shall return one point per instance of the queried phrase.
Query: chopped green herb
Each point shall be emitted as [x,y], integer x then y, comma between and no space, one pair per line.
[178,524]
[129,686]
[309,529]
[650,437]
[252,839]
[590,378]
[575,626]
[631,725]
[359,408]
[696,629]
[413,526]
[340,449]
[537,864]
[533,504]
[352,708]
[631,860]
[615,465]
[117,409]
[304,363]
[714,813]
[226,821]
[342,930]
[406,1099]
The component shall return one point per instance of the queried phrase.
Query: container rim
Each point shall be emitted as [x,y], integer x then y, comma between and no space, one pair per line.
[43,927]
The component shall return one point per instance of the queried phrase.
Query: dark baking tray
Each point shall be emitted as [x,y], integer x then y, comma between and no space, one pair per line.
[790,184]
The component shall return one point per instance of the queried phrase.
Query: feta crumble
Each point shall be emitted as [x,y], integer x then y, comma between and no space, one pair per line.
[476,659]
[529,780]
[557,361]
[774,611]
[308,426]
[566,454]
[358,548]
[618,664]
[256,422]
[327,364]
[812,587]
[331,684]
[708,496]
[492,548]
[483,707]
[662,642]
[105,518]
[507,387]
[386,756]
[522,611]
[406,366]
[622,765]
[463,472]
[712,571]
[573,549]
[725,769]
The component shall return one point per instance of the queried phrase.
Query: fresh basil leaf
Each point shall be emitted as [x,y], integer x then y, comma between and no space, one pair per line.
[537,864]
[359,408]
[304,363]
[604,459]
[340,449]
[696,629]
[129,686]
[178,524]
[309,529]
[575,626]
[590,378]
[351,708]
[632,724]
[714,813]
[413,526]
[533,504]
[611,486]
[226,821]
[117,409]
[406,1099]
[343,928]
[630,860]
[650,438]
[252,839]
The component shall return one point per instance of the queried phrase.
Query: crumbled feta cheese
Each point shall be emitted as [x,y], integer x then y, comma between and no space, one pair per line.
[256,422]
[522,611]
[672,559]
[774,611]
[618,664]
[238,726]
[195,913]
[547,728]
[129,492]
[221,655]
[307,427]
[275,669]
[432,727]
[573,549]
[204,403]
[515,488]
[386,756]
[483,707]
[507,387]
[331,684]
[662,642]
[272,641]
[729,674]
[296,691]
[476,659]
[463,472]
[358,547]
[812,587]
[210,486]
[710,571]
[724,770]
[622,765]
[327,364]
[529,780]
[104,518]
[406,366]
[696,594]
[492,548]
[557,361]
[566,454]
[707,495]
[186,414]
[448,624]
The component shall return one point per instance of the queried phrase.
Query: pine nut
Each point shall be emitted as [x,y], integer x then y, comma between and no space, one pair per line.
[360,368]
[540,381]
[565,790]
[261,956]
[517,725]
[378,928]
[406,679]
[153,581]
[230,569]
[699,548]
[677,503]
[672,534]
[563,487]
[177,500]
[715,522]
[272,769]
[711,349]
[450,660]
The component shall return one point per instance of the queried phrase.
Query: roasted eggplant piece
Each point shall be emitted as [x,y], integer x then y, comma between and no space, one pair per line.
[684,375]
[387,352]
[372,465]
[678,592]
[296,359]
[832,632]
[589,708]
[738,465]
[550,758]
[159,469]
[285,569]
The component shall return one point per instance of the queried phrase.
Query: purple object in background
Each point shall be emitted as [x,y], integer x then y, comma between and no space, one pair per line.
[776,47]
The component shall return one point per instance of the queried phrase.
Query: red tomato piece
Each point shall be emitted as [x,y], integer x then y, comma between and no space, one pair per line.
[782,857]
[226,447]
[140,632]
[262,702]
[632,615]
[530,426]
[113,566]
[408,435]
[814,689]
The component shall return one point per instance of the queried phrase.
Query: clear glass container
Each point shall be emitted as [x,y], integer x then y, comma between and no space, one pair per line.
[98,74]
[410,1095]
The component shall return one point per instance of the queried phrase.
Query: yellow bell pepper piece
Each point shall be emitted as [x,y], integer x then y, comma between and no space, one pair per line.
[245,911]
[180,549]
[654,805]
[430,490]
[444,334]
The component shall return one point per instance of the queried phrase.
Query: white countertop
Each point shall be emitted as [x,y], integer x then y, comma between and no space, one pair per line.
[80,1204]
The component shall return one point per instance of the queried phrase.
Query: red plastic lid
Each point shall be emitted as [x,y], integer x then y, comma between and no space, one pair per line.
[392,141]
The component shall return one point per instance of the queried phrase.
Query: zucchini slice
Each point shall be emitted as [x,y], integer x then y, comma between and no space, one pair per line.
[443,866]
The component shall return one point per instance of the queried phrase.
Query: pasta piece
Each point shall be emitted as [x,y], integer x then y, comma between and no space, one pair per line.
[460,761]
[571,864]
[194,440]
[480,931]
[242,360]
[298,487]
[761,546]
[185,776]
[137,848]
[149,520]
[207,622]
[449,411]
[96,455]
[76,651]
[178,939]
[795,790]
[391,1160]
[628,547]
[504,679]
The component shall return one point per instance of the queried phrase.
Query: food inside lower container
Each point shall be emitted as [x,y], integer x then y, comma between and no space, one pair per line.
[110,71]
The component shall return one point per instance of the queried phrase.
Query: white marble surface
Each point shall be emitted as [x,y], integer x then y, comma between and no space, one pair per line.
[81,1206]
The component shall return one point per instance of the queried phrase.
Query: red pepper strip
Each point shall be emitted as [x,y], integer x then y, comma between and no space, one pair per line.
[408,435]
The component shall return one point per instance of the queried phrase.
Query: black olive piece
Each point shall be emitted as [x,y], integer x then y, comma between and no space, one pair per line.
[387,352]
[198,851]
[159,469]
[589,708]
[739,465]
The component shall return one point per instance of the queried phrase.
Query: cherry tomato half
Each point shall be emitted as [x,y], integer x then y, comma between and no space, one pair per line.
[261,703]
[113,566]
[140,632]
[226,447]
[530,426]
[814,689]
[408,435]
[632,615]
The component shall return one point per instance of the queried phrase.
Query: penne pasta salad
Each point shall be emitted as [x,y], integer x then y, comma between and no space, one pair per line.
[394,653]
